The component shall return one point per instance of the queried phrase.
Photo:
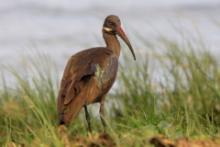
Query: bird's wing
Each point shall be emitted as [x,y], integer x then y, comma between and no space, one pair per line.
[79,69]
[73,75]
[74,88]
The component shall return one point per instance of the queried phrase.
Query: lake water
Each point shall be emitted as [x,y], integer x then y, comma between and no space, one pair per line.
[61,28]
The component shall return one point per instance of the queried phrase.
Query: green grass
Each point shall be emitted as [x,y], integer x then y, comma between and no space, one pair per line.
[175,93]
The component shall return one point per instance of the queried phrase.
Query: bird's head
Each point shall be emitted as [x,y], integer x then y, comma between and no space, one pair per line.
[112,25]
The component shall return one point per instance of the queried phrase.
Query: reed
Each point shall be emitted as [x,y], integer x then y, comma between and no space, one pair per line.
[174,92]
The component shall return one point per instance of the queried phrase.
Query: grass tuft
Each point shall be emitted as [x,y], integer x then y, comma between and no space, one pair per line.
[174,92]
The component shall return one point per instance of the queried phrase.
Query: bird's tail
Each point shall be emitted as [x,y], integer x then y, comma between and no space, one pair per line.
[71,110]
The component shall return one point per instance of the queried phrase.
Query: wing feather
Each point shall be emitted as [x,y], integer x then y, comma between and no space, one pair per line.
[79,69]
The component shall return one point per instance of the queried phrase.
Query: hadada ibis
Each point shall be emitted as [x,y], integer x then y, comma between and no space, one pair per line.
[89,74]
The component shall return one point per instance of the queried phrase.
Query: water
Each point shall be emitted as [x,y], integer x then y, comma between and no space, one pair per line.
[61,28]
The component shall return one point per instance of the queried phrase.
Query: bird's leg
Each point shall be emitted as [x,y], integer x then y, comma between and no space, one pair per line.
[102,113]
[87,118]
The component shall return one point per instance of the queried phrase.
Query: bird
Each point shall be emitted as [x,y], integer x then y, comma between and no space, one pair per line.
[90,74]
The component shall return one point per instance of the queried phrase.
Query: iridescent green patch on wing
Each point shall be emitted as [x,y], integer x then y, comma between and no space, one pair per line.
[99,74]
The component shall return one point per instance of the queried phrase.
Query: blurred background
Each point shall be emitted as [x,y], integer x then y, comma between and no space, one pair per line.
[173,88]
[61,28]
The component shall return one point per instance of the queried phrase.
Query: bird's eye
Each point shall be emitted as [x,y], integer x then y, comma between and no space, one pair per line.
[111,23]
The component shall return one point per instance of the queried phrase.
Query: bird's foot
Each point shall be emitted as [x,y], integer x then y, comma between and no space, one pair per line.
[104,124]
[62,129]
[63,134]
[89,129]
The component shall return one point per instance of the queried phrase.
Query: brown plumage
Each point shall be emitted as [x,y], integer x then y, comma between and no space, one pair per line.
[90,74]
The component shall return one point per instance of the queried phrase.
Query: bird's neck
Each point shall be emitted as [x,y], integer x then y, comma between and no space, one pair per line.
[112,43]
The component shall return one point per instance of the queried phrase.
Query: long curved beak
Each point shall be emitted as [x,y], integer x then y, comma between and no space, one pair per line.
[121,33]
